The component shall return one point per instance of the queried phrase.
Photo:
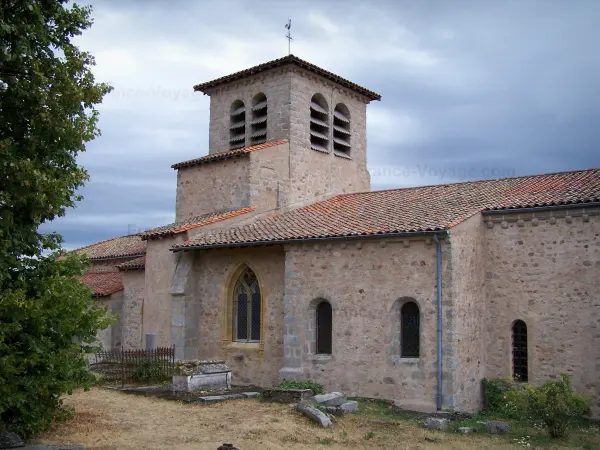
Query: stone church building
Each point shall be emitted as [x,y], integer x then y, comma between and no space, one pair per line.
[282,262]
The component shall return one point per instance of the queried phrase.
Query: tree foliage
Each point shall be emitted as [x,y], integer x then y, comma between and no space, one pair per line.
[47,105]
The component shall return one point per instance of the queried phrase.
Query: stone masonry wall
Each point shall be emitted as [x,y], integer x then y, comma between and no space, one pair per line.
[366,283]
[133,303]
[207,188]
[208,321]
[110,337]
[464,352]
[317,175]
[157,298]
[543,268]
[269,178]
[275,84]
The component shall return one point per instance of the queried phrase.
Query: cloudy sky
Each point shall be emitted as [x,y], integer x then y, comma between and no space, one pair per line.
[471,90]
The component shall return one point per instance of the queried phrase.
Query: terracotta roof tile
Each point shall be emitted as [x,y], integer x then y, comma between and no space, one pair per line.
[103,283]
[114,248]
[290,59]
[417,209]
[137,263]
[228,154]
[194,222]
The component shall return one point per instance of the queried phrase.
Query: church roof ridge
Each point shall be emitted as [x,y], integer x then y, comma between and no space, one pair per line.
[289,59]
[484,180]
[114,248]
[420,209]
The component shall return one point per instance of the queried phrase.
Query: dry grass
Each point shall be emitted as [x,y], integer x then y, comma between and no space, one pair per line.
[112,420]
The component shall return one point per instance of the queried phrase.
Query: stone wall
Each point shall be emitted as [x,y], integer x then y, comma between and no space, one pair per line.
[316,175]
[133,303]
[111,337]
[207,188]
[366,283]
[206,301]
[157,299]
[269,178]
[543,268]
[275,84]
[464,314]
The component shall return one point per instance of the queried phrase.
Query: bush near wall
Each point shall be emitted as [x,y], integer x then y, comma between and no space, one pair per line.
[554,403]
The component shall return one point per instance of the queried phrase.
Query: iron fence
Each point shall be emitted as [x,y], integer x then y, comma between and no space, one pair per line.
[117,365]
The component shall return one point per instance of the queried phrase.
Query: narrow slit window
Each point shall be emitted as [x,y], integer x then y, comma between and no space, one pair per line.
[409,330]
[258,124]
[324,328]
[319,124]
[237,125]
[247,308]
[341,130]
[519,351]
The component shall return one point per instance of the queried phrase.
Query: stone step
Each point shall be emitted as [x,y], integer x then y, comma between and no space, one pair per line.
[210,399]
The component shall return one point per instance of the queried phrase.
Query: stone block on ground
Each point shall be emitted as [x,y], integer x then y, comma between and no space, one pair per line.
[9,439]
[467,430]
[435,423]
[330,399]
[497,427]
[251,394]
[350,406]
[334,410]
[313,413]
[286,395]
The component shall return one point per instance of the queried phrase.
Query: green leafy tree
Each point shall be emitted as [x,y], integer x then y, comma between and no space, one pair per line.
[47,105]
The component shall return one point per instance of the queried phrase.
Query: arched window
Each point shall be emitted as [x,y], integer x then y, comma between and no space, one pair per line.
[341,129]
[258,125]
[237,125]
[409,330]
[519,350]
[324,328]
[246,308]
[319,124]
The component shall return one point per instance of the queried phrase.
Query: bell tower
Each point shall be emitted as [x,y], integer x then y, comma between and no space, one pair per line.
[321,117]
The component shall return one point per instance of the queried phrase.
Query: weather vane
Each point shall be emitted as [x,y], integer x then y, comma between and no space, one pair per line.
[288,36]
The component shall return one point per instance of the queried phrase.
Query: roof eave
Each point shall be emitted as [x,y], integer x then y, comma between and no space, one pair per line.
[290,59]
[312,239]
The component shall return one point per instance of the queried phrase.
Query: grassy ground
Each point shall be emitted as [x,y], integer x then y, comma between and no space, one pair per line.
[112,420]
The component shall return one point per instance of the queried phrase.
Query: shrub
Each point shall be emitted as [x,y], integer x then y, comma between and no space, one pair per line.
[554,403]
[148,370]
[504,396]
[314,387]
[557,405]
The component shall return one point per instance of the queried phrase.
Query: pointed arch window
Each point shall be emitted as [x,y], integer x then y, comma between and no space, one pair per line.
[237,125]
[319,124]
[341,130]
[519,351]
[409,330]
[247,308]
[324,328]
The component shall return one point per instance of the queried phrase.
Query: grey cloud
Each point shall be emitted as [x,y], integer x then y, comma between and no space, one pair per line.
[470,90]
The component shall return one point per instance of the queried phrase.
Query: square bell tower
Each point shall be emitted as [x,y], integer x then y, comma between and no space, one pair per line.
[320,114]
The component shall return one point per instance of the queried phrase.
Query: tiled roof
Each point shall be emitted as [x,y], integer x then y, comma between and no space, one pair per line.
[228,154]
[290,59]
[194,222]
[417,209]
[103,283]
[137,263]
[114,248]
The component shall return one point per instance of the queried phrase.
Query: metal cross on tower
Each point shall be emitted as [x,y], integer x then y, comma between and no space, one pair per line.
[288,36]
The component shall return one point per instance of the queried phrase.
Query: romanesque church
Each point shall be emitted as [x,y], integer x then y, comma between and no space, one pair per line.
[285,264]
